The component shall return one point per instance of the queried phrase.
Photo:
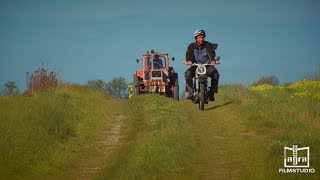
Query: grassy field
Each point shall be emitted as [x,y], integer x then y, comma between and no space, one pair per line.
[45,134]
[239,136]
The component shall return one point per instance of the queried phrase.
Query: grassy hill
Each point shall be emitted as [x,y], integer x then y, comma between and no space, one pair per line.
[45,134]
[240,136]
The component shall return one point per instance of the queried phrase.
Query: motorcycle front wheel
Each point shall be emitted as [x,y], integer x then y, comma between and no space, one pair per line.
[202,96]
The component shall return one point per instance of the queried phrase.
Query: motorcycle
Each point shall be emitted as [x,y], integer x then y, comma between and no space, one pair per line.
[200,84]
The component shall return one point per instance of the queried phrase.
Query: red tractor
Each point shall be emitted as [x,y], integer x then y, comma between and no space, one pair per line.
[155,77]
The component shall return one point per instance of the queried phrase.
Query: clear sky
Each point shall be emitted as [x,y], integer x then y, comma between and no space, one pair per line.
[101,39]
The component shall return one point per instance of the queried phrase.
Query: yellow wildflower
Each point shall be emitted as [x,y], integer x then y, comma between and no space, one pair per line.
[305,84]
[302,94]
[262,87]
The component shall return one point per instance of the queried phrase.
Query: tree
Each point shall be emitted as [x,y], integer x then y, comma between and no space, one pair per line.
[117,87]
[97,84]
[10,88]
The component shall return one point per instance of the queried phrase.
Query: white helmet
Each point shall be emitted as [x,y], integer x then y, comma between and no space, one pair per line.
[199,33]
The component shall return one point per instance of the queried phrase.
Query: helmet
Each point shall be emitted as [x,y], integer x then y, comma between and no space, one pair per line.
[199,33]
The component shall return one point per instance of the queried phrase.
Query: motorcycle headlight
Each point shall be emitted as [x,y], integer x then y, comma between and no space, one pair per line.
[201,70]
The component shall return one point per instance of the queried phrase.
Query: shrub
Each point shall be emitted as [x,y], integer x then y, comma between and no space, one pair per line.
[271,80]
[42,79]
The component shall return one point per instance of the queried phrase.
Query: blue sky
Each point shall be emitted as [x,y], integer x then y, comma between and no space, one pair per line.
[101,39]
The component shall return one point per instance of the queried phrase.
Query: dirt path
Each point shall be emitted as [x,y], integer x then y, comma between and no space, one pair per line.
[109,141]
[218,130]
[231,149]
[215,127]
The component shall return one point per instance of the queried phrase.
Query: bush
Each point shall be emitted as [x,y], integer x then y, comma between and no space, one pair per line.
[271,80]
[287,83]
[42,79]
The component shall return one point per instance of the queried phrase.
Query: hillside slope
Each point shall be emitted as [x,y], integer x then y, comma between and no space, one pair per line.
[76,132]
[241,135]
[48,133]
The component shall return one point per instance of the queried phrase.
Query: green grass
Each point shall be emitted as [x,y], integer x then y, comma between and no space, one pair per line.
[44,134]
[270,120]
[159,140]
[239,136]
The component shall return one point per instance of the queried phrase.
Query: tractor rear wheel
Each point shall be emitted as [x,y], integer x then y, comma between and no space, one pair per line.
[136,91]
[176,87]
[176,93]
[135,80]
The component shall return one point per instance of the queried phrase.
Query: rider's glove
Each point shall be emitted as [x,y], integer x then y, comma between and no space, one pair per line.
[189,63]
[212,62]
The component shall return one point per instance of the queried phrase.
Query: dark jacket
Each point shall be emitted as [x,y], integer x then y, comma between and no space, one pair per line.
[201,54]
[157,63]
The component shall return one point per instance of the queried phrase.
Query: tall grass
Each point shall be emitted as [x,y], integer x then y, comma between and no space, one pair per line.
[45,133]
[315,75]
[274,118]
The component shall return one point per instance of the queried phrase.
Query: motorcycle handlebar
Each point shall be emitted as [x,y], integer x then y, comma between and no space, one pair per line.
[216,59]
[195,64]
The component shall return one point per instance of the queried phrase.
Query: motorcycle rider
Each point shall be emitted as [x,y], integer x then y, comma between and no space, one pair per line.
[201,52]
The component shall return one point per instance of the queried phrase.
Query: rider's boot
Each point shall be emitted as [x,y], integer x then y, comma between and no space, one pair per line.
[210,95]
[190,95]
[189,88]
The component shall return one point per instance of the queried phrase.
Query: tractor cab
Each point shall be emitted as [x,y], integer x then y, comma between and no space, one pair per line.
[156,66]
[156,62]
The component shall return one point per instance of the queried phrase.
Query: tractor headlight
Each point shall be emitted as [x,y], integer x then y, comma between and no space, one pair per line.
[201,70]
